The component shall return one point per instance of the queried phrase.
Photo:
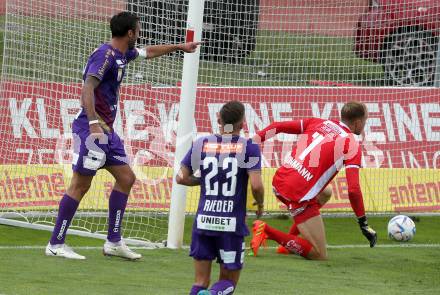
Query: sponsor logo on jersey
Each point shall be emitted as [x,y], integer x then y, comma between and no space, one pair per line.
[223,148]
[216,223]
[103,68]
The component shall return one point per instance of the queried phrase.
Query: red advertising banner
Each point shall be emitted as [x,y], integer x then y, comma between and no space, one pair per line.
[402,131]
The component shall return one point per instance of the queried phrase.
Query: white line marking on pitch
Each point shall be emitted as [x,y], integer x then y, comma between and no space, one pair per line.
[186,247]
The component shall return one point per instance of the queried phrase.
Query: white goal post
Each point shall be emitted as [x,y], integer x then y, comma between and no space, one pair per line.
[185,128]
[283,59]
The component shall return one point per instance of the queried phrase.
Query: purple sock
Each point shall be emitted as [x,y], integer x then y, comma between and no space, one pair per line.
[66,212]
[116,208]
[196,289]
[223,287]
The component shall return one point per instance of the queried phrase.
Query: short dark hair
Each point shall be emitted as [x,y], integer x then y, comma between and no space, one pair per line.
[122,22]
[232,112]
[353,110]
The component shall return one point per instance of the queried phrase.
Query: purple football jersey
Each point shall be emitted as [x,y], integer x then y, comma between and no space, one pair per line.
[223,162]
[108,65]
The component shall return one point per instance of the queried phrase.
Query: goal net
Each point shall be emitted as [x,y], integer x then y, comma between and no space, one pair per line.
[283,59]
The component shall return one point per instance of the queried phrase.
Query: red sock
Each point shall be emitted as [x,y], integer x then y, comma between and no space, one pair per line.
[294,228]
[292,243]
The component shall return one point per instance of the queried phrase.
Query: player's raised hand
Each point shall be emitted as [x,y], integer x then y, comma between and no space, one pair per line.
[367,231]
[189,47]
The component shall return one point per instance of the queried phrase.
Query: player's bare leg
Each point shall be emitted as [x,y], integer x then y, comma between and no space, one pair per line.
[125,178]
[78,187]
[202,276]
[322,198]
[228,279]
[231,275]
[313,231]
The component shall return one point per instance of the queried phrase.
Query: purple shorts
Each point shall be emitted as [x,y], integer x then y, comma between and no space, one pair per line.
[90,154]
[227,248]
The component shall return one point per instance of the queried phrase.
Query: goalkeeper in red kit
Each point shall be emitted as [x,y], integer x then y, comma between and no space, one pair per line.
[323,148]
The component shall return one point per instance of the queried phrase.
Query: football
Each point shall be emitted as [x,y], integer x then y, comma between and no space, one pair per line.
[401,228]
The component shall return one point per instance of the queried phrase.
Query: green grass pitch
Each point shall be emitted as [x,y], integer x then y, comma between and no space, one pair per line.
[352,268]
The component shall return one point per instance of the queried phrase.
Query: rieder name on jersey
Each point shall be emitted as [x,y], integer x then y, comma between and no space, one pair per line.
[226,206]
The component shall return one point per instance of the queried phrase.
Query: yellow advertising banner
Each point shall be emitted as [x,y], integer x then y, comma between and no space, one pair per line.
[40,187]
[384,190]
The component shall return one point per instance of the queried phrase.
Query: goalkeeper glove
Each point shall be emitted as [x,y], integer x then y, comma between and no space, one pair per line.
[367,231]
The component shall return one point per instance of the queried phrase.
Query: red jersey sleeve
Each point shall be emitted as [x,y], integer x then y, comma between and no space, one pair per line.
[354,191]
[289,127]
[352,164]
[352,153]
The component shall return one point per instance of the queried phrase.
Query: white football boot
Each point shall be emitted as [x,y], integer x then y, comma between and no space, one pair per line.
[119,249]
[62,250]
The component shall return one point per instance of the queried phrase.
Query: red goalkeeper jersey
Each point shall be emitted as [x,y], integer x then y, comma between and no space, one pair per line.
[322,149]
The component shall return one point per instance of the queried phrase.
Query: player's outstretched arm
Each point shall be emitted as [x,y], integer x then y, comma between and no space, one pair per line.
[186,177]
[357,203]
[153,51]
[289,127]
[88,103]
[257,187]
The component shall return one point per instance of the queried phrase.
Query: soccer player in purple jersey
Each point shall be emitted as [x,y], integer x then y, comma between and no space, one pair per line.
[226,162]
[96,145]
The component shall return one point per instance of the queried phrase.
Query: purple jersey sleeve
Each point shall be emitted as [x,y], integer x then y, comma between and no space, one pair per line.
[99,63]
[187,160]
[193,156]
[131,55]
[253,154]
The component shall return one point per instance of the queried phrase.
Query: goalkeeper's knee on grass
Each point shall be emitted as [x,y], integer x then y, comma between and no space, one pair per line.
[292,243]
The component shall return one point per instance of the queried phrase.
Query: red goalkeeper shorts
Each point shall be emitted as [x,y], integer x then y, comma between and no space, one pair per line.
[300,211]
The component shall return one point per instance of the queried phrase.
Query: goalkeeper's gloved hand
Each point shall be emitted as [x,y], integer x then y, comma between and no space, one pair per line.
[367,231]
